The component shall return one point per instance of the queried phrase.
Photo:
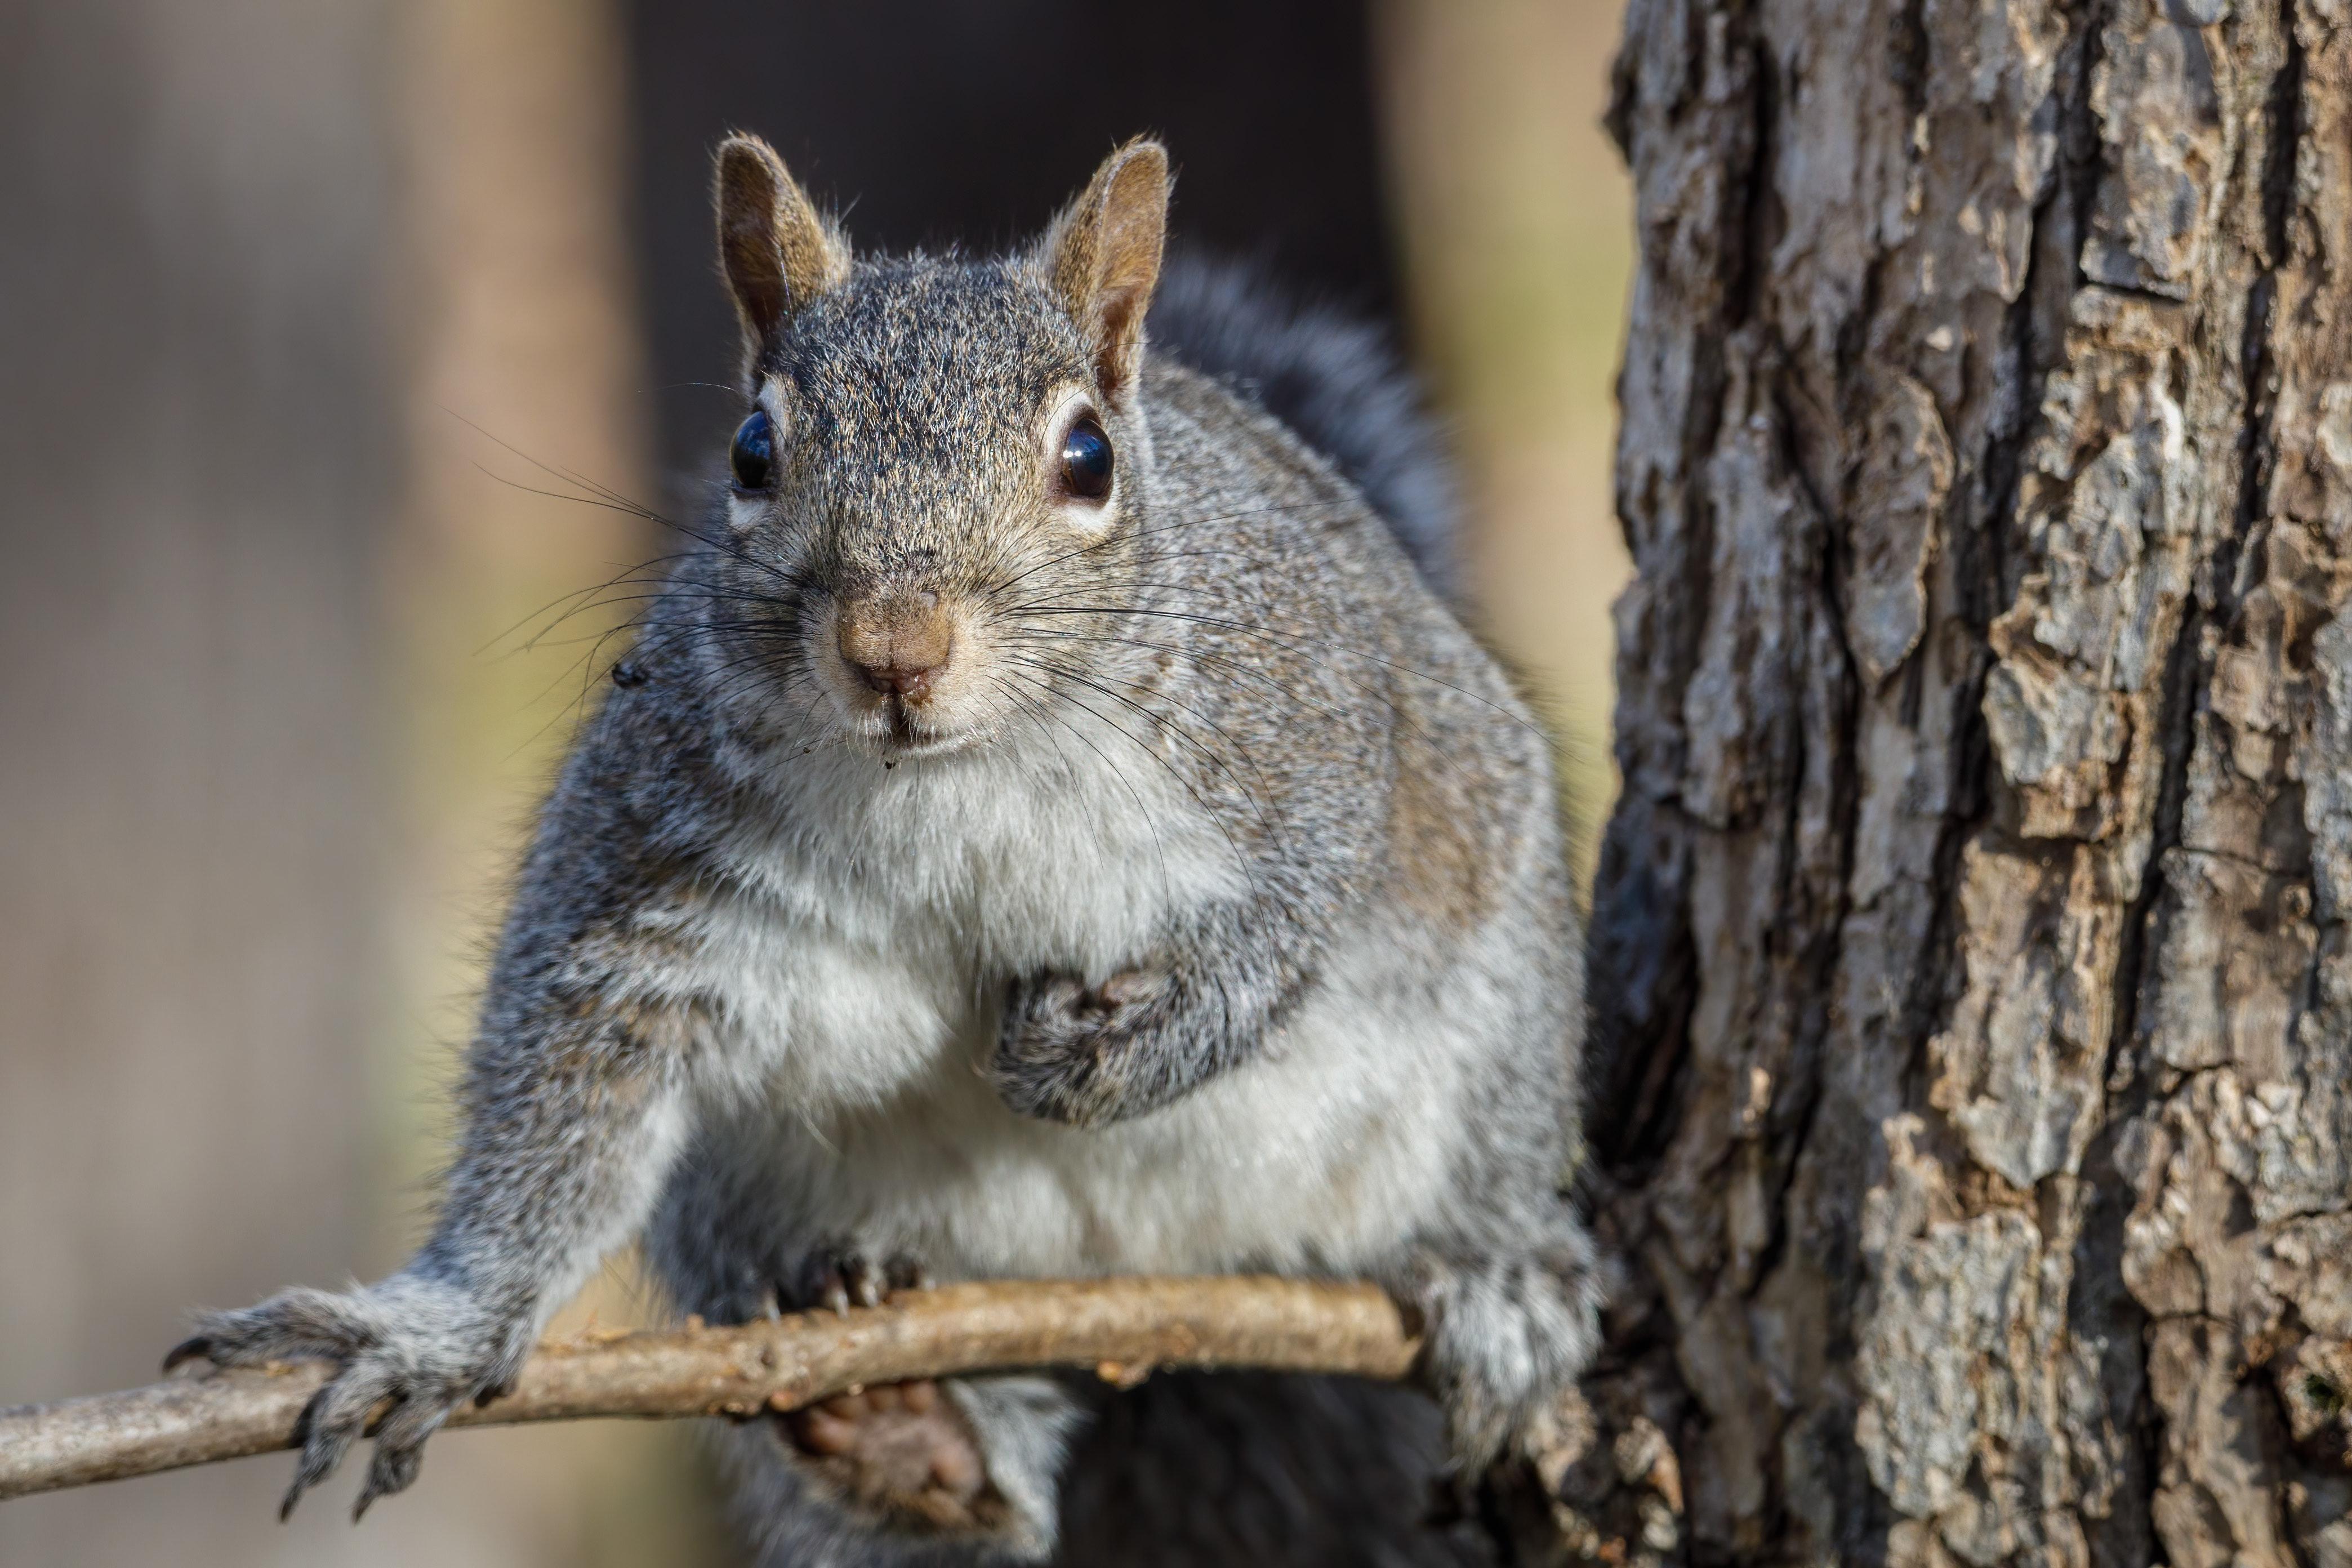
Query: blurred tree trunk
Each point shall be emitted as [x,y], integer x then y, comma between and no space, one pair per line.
[195,458]
[941,122]
[1972,1103]
[1501,165]
[256,252]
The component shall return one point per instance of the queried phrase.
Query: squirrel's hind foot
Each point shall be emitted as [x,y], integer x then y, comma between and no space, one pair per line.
[899,1448]
[840,1276]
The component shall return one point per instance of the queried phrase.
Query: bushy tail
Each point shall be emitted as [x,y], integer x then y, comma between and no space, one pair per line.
[1332,379]
[1260,1471]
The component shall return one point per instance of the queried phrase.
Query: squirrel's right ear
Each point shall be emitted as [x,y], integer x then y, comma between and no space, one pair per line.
[777,252]
[1102,257]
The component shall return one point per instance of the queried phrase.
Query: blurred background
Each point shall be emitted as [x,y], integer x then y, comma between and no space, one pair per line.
[300,303]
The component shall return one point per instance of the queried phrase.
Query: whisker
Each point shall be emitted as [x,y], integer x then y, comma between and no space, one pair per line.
[1322,647]
[1151,820]
[1240,859]
[1176,731]
[1156,530]
[1193,655]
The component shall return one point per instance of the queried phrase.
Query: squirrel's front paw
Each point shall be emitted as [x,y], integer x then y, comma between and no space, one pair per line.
[1068,1051]
[419,1347]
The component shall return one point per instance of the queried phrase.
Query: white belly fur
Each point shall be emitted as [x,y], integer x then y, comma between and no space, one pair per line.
[1303,1159]
[860,968]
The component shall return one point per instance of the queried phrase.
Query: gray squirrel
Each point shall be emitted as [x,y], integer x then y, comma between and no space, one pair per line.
[1050,824]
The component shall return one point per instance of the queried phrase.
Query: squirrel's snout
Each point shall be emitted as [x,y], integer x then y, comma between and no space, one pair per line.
[913,684]
[897,646]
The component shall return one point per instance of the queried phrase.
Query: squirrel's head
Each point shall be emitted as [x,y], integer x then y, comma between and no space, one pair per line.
[946,460]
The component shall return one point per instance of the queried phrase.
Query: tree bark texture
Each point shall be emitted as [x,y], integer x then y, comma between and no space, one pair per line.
[1972,1107]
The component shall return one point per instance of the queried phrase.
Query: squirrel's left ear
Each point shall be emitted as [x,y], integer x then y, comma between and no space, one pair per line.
[777,252]
[1102,257]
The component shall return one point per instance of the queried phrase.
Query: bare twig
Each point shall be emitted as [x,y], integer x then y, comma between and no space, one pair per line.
[1118,1327]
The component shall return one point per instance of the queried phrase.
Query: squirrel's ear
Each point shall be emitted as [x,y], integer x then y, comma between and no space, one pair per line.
[1102,257]
[777,252]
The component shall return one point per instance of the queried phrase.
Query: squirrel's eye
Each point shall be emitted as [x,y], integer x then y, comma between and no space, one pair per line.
[1086,460]
[753,455]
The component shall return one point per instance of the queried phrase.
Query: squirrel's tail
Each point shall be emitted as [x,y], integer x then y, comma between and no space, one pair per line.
[1334,380]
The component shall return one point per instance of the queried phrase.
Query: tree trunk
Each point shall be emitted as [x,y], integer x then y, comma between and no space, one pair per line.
[1971,1106]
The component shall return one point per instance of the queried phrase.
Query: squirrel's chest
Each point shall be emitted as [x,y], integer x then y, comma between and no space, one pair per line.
[861,991]
[867,942]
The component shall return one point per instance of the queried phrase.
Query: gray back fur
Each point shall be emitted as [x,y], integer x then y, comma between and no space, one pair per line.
[1335,381]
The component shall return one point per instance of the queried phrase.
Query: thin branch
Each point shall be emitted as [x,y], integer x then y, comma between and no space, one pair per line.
[1120,1328]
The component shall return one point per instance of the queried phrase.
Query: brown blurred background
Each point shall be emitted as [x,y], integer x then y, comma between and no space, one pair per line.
[294,294]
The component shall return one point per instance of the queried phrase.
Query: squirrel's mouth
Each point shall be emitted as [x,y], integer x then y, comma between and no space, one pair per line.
[889,726]
[901,730]
[898,732]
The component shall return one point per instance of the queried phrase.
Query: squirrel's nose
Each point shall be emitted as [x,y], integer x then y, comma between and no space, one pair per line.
[897,646]
[912,682]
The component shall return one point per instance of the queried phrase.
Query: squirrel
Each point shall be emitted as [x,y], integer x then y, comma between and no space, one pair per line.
[1051,824]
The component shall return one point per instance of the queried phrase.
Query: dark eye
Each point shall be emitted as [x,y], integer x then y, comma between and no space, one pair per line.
[1086,460]
[753,455]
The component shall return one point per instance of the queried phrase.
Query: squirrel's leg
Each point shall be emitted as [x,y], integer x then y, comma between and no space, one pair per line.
[897,1448]
[1508,1329]
[966,1470]
[575,1106]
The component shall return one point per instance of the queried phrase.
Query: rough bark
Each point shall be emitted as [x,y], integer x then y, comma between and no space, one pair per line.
[1122,1328]
[1974,1102]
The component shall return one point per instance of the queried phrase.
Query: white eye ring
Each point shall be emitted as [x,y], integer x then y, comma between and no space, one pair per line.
[1089,511]
[744,511]
[745,507]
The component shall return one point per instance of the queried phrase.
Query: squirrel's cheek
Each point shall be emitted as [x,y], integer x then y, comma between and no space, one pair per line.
[1088,523]
[745,513]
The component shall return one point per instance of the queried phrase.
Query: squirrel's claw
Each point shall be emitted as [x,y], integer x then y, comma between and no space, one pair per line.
[850,1281]
[840,1276]
[399,1450]
[294,1325]
[198,1348]
[329,1427]
[334,1420]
